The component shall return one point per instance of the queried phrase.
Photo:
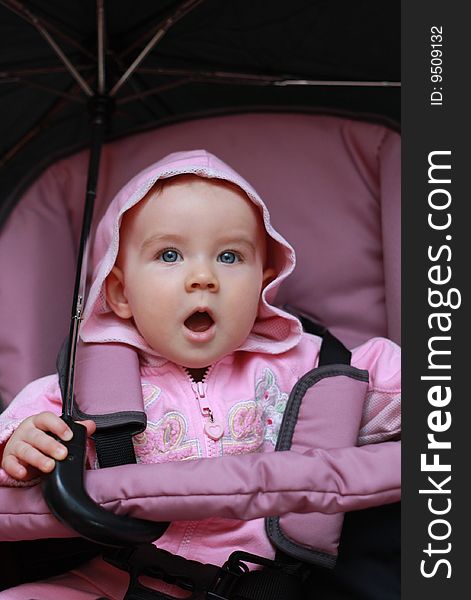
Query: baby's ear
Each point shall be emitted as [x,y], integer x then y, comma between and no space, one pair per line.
[115,294]
[269,275]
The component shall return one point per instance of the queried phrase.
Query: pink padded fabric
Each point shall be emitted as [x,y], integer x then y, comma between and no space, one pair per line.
[331,481]
[333,189]
[315,422]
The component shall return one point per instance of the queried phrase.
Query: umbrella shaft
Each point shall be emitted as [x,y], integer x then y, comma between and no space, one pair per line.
[100,109]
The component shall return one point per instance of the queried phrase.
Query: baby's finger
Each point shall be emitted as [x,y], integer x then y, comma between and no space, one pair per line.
[48,421]
[45,443]
[13,467]
[26,454]
[90,425]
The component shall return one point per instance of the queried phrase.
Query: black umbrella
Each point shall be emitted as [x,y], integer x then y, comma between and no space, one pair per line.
[169,60]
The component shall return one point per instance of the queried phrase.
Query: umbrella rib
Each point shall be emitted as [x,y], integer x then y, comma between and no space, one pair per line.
[17,147]
[136,85]
[260,79]
[242,79]
[346,83]
[17,8]
[29,135]
[36,130]
[20,9]
[40,71]
[162,29]
[152,92]
[101,45]
[44,88]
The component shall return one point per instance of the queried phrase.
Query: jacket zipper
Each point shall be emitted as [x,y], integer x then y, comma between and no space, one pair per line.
[212,429]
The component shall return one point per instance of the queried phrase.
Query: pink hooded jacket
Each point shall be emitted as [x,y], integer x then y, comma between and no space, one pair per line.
[247,392]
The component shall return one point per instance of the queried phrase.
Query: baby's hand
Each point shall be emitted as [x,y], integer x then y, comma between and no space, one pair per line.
[30,450]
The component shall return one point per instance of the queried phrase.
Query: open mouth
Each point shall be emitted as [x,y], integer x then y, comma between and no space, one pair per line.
[199,321]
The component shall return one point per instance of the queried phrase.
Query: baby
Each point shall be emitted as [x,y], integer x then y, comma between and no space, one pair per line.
[187,265]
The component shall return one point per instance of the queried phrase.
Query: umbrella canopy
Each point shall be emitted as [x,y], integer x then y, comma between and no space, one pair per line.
[171,60]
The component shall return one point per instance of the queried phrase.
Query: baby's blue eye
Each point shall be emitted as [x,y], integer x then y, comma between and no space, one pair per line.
[169,256]
[228,257]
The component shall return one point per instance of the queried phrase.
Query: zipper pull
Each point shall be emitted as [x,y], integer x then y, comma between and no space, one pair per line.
[211,428]
[199,388]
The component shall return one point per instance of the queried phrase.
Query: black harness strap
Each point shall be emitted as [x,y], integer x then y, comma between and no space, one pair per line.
[233,581]
[332,352]
[268,584]
[114,447]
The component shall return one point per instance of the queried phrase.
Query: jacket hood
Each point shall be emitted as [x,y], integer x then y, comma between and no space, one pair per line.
[274,330]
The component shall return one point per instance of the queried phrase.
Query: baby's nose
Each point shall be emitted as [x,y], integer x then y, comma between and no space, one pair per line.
[202,278]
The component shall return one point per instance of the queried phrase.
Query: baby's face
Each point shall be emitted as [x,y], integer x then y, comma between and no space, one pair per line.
[190,270]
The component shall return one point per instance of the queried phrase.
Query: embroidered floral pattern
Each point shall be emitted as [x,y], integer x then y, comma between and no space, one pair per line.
[164,440]
[150,393]
[273,401]
[252,422]
[245,428]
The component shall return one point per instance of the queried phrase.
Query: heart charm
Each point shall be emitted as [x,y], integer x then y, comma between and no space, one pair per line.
[214,431]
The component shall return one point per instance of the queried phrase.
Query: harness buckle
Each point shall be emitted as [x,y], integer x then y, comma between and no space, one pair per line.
[228,577]
[226,580]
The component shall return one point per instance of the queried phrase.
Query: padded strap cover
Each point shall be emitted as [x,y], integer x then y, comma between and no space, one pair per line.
[324,411]
[108,390]
[108,386]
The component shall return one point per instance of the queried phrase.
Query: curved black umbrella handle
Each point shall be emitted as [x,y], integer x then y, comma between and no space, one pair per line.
[65,494]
